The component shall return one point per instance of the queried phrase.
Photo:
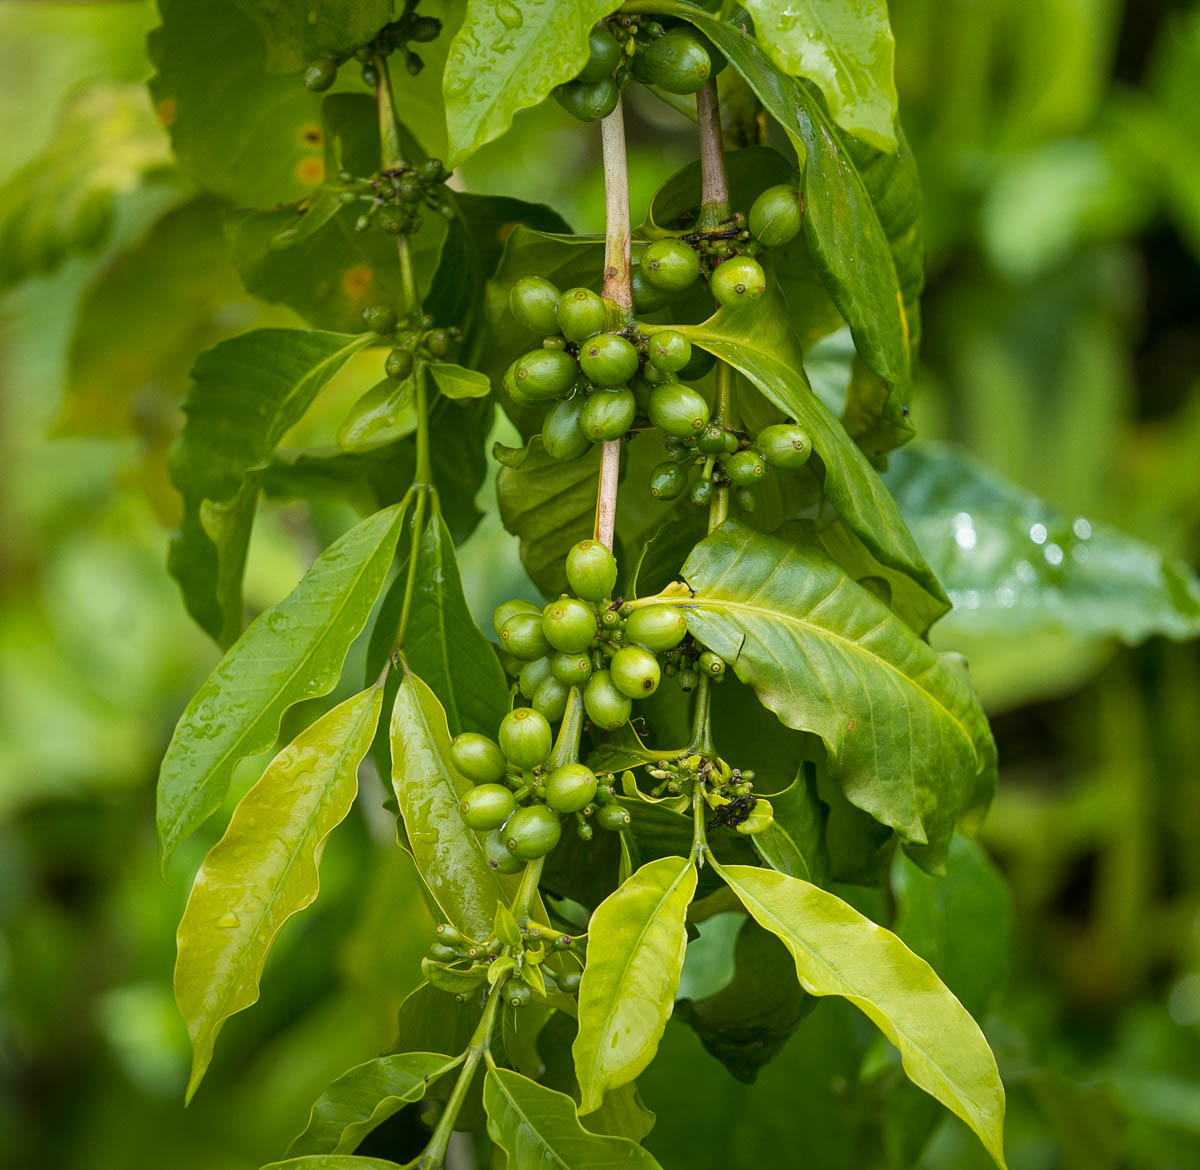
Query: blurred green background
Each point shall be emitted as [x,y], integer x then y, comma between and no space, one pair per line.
[1059,145]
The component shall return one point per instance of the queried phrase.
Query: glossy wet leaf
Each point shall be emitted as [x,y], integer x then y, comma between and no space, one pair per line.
[62,202]
[1016,567]
[246,393]
[293,651]
[457,381]
[636,941]
[365,1097]
[246,134]
[508,55]
[839,952]
[846,47]
[264,869]
[758,341]
[551,506]
[449,856]
[297,31]
[748,1021]
[794,842]
[907,740]
[536,1126]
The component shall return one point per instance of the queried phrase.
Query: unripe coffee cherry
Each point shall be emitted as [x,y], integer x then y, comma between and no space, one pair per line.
[591,570]
[738,280]
[477,757]
[525,737]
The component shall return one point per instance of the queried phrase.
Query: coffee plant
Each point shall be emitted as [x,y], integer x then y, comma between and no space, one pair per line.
[727,701]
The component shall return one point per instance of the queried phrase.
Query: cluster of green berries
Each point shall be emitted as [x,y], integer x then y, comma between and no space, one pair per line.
[412,337]
[459,964]
[727,459]
[395,37]
[394,198]
[727,791]
[627,49]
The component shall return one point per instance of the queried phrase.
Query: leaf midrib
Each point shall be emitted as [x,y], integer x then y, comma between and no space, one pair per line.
[774,615]
[279,886]
[528,1123]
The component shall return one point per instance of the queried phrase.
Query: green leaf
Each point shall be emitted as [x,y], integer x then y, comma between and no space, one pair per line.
[365,1097]
[335,1162]
[332,272]
[444,646]
[536,1126]
[846,47]
[472,249]
[758,341]
[747,1022]
[248,135]
[906,738]
[449,856]
[293,651]
[839,952]
[144,318]
[297,31]
[550,505]
[62,202]
[1017,569]
[794,842]
[458,382]
[636,941]
[508,56]
[961,925]
[246,393]
[264,869]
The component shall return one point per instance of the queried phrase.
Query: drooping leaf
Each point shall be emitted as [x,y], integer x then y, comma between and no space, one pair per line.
[508,56]
[246,393]
[839,952]
[365,1097]
[747,1022]
[960,924]
[551,506]
[243,133]
[636,941]
[62,202]
[297,31]
[458,382]
[907,740]
[536,1126]
[449,856]
[443,644]
[1016,568]
[293,651]
[794,841]
[846,48]
[264,869]
[757,340]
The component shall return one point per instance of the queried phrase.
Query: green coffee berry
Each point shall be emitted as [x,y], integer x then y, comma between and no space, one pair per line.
[532,675]
[784,445]
[399,364]
[570,788]
[657,627]
[498,854]
[487,806]
[320,74]
[581,314]
[604,55]
[525,737]
[572,669]
[738,280]
[551,699]
[543,374]
[607,414]
[613,817]
[745,468]
[635,672]
[608,360]
[477,757]
[711,664]
[523,638]
[679,410]
[675,62]
[508,609]
[670,265]
[380,318]
[606,706]
[591,570]
[533,301]
[562,431]
[533,831]
[569,625]
[775,217]
[668,481]
[589,101]
[669,351]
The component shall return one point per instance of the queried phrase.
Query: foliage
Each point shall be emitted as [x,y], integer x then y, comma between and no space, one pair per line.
[736,764]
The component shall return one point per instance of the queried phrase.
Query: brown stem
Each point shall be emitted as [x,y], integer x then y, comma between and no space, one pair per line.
[714,189]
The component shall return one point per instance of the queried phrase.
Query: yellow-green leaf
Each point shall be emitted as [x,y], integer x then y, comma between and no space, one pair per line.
[839,952]
[449,856]
[636,941]
[264,869]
